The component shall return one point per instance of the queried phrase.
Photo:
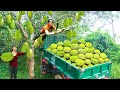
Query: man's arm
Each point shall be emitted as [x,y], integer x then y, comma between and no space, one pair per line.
[60,30]
[20,53]
[49,33]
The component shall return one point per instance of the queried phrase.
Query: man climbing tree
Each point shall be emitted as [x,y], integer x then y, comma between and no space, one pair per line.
[48,29]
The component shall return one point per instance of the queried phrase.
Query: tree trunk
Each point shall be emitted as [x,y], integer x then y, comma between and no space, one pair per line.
[31,62]
[31,66]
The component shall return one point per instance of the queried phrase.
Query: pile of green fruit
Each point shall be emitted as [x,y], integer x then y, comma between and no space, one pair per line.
[79,53]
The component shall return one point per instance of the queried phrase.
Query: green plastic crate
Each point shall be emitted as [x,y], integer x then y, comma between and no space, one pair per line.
[95,72]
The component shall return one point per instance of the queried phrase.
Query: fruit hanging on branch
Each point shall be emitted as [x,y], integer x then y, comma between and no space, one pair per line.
[18,16]
[18,35]
[66,22]
[12,25]
[22,12]
[45,18]
[37,43]
[29,53]
[79,14]
[30,14]
[70,21]
[42,21]
[0,16]
[8,56]
[1,22]
[29,27]
[25,47]
[50,13]
[8,18]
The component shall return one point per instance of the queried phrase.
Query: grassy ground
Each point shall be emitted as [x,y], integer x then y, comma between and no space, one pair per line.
[23,71]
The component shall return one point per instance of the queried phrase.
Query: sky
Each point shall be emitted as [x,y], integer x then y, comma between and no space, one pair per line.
[108,28]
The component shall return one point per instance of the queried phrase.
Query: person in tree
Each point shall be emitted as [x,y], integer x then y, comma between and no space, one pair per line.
[48,29]
[14,62]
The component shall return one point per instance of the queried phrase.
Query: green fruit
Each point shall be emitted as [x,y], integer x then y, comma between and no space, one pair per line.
[31,30]
[18,35]
[82,51]
[54,51]
[40,39]
[22,12]
[30,14]
[81,56]
[91,50]
[66,22]
[103,55]
[74,64]
[68,61]
[77,16]
[28,24]
[67,56]
[67,49]
[42,21]
[74,34]
[82,13]
[74,41]
[53,46]
[106,59]
[89,55]
[81,41]
[80,62]
[60,43]
[94,61]
[87,61]
[74,52]
[18,16]
[73,58]
[90,65]
[1,22]
[50,12]
[70,21]
[8,56]
[100,60]
[29,53]
[45,18]
[81,46]
[12,25]
[59,48]
[96,56]
[29,27]
[36,43]
[67,43]
[88,44]
[96,51]
[60,53]
[0,16]
[8,18]
[84,66]
[74,46]
[86,49]
[69,34]
[49,49]
[25,47]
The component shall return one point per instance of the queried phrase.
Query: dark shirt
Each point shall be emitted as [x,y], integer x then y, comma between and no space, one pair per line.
[14,62]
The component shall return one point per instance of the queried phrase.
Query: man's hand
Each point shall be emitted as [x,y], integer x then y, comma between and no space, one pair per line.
[63,29]
[55,32]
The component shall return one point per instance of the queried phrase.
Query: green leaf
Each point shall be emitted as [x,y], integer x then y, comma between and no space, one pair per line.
[66,22]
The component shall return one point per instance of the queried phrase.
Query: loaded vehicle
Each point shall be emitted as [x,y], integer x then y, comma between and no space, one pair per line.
[52,63]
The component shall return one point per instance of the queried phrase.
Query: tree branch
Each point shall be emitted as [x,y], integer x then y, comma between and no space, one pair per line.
[22,30]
